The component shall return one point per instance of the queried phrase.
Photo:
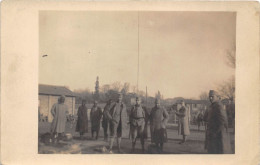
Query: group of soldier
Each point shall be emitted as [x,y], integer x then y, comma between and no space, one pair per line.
[116,120]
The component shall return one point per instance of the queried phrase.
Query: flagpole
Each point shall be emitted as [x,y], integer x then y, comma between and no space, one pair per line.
[138,53]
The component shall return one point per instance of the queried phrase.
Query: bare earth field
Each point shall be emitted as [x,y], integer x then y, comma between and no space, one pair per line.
[194,144]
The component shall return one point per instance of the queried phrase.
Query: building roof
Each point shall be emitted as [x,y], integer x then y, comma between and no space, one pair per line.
[54,90]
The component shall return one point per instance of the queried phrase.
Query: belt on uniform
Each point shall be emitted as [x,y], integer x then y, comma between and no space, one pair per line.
[138,118]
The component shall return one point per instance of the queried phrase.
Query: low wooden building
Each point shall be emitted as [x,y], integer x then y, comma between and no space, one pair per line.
[49,94]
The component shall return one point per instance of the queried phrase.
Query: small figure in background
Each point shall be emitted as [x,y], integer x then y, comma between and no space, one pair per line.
[183,124]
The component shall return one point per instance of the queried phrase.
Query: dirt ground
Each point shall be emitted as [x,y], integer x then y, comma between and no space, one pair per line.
[194,144]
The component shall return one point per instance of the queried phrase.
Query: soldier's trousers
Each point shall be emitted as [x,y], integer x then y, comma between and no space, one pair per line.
[105,127]
[137,131]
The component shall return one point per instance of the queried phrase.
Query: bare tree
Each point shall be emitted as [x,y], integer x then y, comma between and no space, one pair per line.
[204,96]
[231,57]
[227,89]
[134,89]
[105,88]
[116,86]
[125,88]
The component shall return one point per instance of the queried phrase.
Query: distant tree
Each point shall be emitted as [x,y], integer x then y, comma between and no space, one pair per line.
[116,86]
[125,88]
[231,57]
[134,89]
[141,93]
[204,96]
[227,89]
[158,95]
[83,94]
[111,94]
[96,94]
[105,88]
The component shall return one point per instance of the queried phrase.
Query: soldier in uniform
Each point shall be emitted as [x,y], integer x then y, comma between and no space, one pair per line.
[82,123]
[217,139]
[105,121]
[159,117]
[117,117]
[95,117]
[137,123]
[183,124]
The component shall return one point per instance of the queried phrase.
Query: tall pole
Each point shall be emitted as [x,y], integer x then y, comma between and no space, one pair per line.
[138,53]
[146,95]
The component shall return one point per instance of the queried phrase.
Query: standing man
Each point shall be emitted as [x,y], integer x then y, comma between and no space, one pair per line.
[183,124]
[137,123]
[59,112]
[159,117]
[95,117]
[217,140]
[117,116]
[105,121]
[82,123]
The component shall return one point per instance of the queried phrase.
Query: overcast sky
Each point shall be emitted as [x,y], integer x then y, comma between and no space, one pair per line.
[181,53]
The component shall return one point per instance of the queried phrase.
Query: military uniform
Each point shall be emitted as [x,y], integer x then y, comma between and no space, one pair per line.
[137,123]
[159,117]
[217,138]
[105,121]
[117,117]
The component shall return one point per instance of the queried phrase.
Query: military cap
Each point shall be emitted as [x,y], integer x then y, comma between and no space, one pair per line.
[212,92]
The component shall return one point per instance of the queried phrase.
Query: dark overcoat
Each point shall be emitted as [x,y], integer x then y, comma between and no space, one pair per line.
[217,137]
[158,120]
[95,118]
[82,123]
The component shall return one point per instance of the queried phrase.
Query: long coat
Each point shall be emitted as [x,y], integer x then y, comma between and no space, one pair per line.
[217,138]
[59,112]
[183,124]
[82,123]
[112,116]
[158,120]
[105,119]
[95,117]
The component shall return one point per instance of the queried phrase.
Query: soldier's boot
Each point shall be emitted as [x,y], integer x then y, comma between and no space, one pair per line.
[97,135]
[111,144]
[143,148]
[161,147]
[119,144]
[157,147]
[81,136]
[184,138]
[92,134]
[142,142]
[133,147]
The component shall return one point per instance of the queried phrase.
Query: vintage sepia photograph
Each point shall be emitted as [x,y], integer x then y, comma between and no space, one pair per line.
[136,82]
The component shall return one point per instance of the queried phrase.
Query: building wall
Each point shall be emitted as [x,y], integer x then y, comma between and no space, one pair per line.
[47,101]
[44,107]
